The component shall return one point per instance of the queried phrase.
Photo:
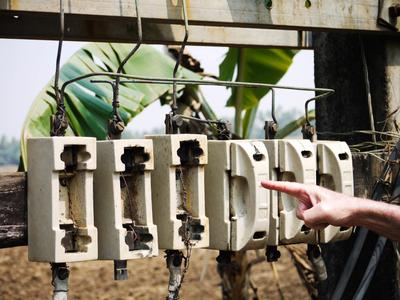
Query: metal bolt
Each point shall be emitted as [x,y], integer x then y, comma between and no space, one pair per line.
[120,270]
[63,273]
[274,128]
[272,253]
[268,4]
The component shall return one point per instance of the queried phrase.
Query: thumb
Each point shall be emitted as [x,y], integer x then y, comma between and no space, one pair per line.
[301,208]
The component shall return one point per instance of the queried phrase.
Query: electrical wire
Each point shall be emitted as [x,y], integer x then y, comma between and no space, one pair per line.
[377,253]
[115,101]
[59,51]
[179,60]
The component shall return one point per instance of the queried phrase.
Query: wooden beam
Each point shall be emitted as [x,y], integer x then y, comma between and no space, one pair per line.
[348,15]
[13,210]
[13,198]
[85,28]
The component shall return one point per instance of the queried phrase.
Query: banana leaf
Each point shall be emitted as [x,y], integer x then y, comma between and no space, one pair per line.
[295,125]
[252,65]
[88,104]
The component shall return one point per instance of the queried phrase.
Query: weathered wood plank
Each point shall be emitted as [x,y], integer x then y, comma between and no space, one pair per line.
[13,210]
[211,21]
[106,29]
[340,14]
[367,169]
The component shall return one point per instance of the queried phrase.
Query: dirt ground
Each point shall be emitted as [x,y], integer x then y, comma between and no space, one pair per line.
[20,279]
[148,278]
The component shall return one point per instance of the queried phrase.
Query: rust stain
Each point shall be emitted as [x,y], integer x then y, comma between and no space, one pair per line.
[14,4]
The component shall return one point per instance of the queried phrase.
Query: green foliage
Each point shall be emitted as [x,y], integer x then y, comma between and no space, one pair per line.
[9,151]
[294,125]
[252,65]
[88,104]
[285,117]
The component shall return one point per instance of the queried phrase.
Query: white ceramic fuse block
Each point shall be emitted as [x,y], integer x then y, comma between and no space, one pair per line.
[60,199]
[297,163]
[236,203]
[178,190]
[123,212]
[335,172]
[273,155]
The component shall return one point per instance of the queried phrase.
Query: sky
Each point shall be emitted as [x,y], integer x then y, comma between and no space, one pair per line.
[26,66]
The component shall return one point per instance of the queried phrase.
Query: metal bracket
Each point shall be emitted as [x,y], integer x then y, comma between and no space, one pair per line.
[271,129]
[389,13]
[172,123]
[60,276]
[59,123]
[174,259]
[272,253]
[309,132]
[120,269]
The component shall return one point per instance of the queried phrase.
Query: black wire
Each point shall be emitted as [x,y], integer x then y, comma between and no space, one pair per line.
[60,105]
[371,268]
[180,55]
[115,102]
[378,250]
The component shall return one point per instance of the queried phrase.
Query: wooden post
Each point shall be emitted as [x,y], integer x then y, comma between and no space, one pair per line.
[13,210]
[338,65]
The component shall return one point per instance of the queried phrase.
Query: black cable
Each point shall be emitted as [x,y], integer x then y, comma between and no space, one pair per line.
[115,102]
[59,121]
[371,268]
[59,51]
[378,193]
[180,55]
[376,255]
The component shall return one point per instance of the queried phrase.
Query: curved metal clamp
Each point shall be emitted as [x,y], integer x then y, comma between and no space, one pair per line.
[59,123]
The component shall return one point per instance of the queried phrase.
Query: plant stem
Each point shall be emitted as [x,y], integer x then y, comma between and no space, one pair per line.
[239,93]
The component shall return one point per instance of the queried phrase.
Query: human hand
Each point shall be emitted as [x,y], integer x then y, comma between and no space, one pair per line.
[318,206]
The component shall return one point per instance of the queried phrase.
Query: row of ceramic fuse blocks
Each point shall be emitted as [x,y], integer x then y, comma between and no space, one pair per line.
[89,200]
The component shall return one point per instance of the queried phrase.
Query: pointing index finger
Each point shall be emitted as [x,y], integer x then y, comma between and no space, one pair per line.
[291,188]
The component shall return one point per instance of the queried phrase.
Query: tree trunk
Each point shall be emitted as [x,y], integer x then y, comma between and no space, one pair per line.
[338,65]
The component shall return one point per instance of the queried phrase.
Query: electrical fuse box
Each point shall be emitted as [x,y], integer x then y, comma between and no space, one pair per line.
[236,203]
[178,190]
[123,212]
[297,163]
[335,172]
[60,199]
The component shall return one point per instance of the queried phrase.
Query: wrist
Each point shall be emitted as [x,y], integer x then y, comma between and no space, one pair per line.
[364,211]
[354,211]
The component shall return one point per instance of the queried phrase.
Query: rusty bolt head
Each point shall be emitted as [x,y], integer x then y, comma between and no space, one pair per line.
[178,120]
[274,128]
[63,273]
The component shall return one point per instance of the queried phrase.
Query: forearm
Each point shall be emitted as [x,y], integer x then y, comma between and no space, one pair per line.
[378,217]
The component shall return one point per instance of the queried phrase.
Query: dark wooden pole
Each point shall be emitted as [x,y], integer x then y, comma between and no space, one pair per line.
[338,65]
[13,210]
